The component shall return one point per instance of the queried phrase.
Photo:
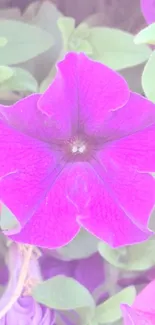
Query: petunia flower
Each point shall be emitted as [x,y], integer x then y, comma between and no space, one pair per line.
[81,154]
[25,310]
[148,10]
[137,317]
[143,308]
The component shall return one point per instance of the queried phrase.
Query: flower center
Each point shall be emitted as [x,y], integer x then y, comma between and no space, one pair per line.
[78,149]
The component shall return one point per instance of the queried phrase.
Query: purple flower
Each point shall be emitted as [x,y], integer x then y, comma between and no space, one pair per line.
[81,154]
[137,317]
[148,10]
[24,310]
[143,308]
[88,271]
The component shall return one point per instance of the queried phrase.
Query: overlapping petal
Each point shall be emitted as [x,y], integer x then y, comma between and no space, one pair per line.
[27,170]
[133,191]
[136,115]
[26,117]
[136,151]
[83,91]
[54,223]
[98,211]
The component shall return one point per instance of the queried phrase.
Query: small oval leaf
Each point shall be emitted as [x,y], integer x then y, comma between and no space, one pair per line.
[130,258]
[21,81]
[117,55]
[146,35]
[63,293]
[24,41]
[5,73]
[109,311]
[148,78]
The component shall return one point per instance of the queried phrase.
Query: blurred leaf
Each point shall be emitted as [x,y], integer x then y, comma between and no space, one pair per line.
[48,80]
[3,41]
[7,220]
[137,257]
[109,311]
[146,35]
[82,246]
[65,293]
[21,81]
[148,78]
[116,48]
[5,73]
[66,26]
[79,40]
[24,41]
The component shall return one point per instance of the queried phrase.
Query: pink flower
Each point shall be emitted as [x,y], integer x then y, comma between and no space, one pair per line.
[148,10]
[143,309]
[81,154]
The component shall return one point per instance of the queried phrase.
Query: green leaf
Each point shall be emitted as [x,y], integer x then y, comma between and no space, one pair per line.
[148,78]
[7,220]
[5,73]
[66,26]
[3,41]
[82,246]
[116,48]
[109,311]
[65,293]
[21,81]
[24,41]
[146,35]
[137,257]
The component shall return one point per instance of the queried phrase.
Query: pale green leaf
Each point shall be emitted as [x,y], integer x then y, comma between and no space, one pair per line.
[21,81]
[7,219]
[146,35]
[3,41]
[80,45]
[116,48]
[5,73]
[82,246]
[137,257]
[24,41]
[109,311]
[66,26]
[65,293]
[148,78]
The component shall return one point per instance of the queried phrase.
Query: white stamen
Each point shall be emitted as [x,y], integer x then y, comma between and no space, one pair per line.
[78,148]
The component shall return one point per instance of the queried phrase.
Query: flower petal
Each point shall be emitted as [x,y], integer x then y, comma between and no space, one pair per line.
[101,216]
[145,299]
[59,101]
[136,151]
[137,114]
[133,191]
[25,116]
[83,92]
[27,169]
[54,224]
[100,90]
[148,10]
[136,317]
[90,271]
